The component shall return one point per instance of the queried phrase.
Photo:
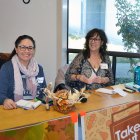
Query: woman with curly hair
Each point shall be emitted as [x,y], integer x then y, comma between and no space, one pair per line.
[91,68]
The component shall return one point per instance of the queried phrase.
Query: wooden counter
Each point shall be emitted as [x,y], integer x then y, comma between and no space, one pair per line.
[102,100]
[20,117]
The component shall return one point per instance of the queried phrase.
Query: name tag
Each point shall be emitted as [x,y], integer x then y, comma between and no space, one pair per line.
[27,95]
[40,79]
[104,66]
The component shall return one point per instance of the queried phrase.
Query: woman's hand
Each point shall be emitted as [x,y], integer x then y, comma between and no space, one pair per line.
[86,80]
[9,104]
[93,79]
[101,80]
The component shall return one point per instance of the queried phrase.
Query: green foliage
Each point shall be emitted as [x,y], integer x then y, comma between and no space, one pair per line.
[128,15]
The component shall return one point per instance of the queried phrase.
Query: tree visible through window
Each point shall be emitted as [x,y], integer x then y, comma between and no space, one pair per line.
[120,19]
[128,16]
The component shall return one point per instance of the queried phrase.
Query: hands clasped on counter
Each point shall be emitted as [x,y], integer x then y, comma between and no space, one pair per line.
[92,79]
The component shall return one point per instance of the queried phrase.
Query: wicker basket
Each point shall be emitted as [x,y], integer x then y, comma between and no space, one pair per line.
[64,108]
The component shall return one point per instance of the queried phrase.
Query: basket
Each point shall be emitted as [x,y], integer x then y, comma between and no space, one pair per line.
[64,107]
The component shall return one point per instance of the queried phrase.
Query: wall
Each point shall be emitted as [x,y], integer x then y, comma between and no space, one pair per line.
[42,20]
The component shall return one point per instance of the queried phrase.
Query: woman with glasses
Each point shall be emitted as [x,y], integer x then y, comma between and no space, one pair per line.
[91,68]
[21,77]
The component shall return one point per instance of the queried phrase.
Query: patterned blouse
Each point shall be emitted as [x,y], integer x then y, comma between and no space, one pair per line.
[80,65]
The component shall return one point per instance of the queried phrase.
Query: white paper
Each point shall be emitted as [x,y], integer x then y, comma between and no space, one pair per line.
[104,90]
[36,104]
[27,104]
[114,91]
[120,92]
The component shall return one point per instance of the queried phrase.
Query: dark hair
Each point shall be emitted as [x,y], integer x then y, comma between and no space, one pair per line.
[102,35]
[17,42]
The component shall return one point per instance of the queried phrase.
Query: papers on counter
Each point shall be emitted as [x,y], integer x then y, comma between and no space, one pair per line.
[104,90]
[120,92]
[114,91]
[28,104]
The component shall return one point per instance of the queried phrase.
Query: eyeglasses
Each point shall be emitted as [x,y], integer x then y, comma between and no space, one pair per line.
[23,48]
[94,39]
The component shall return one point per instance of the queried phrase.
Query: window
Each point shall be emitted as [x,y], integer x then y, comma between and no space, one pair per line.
[109,15]
[119,19]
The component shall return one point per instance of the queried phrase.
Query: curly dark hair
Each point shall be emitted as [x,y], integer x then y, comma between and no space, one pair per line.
[95,32]
[17,42]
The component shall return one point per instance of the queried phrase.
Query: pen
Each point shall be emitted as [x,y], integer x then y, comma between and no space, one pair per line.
[128,90]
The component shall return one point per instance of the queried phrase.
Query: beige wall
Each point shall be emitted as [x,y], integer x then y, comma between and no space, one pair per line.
[42,19]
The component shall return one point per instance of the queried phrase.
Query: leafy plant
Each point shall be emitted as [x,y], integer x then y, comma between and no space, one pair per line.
[128,15]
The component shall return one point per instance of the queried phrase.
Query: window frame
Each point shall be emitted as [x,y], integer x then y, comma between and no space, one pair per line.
[114,54]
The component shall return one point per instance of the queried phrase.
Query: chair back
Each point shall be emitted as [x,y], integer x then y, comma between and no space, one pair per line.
[3,58]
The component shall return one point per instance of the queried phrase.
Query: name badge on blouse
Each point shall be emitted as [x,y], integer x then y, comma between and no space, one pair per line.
[40,79]
[104,66]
